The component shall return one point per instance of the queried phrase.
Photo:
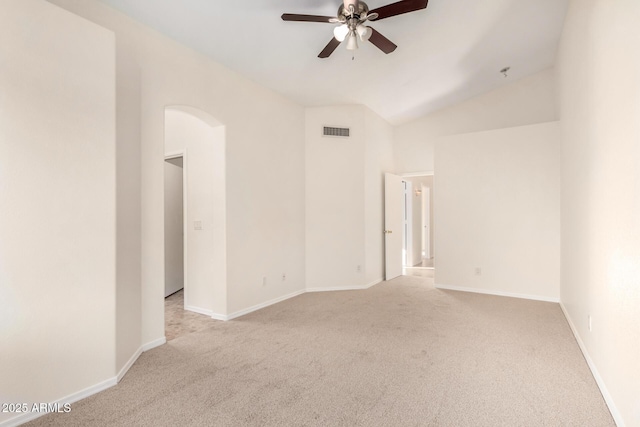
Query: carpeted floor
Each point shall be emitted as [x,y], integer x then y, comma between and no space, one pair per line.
[178,321]
[399,354]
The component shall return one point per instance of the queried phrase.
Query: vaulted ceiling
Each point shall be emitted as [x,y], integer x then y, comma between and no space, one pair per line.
[450,51]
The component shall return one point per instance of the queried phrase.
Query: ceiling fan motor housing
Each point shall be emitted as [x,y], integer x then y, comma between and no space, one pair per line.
[360,9]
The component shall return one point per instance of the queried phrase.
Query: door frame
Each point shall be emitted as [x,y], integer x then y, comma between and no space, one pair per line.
[185,229]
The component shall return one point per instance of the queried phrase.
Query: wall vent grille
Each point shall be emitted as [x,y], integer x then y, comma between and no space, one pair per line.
[331,131]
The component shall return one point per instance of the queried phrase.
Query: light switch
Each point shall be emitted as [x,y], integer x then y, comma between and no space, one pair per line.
[197,225]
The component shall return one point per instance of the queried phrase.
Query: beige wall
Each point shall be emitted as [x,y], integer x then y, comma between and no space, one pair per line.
[599,82]
[264,161]
[526,101]
[57,192]
[497,207]
[128,212]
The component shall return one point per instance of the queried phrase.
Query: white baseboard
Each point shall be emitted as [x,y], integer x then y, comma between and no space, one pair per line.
[153,344]
[199,310]
[72,398]
[218,316]
[345,288]
[286,297]
[617,417]
[89,391]
[498,293]
[129,364]
[263,305]
[336,288]
[373,283]
[149,346]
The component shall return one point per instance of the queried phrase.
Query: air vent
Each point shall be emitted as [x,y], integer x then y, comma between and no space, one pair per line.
[341,132]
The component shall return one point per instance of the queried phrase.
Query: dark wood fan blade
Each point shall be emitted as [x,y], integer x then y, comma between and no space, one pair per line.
[398,8]
[381,42]
[329,48]
[306,18]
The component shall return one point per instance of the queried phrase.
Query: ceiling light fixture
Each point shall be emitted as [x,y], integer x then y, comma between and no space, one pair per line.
[364,32]
[341,32]
[351,20]
[352,42]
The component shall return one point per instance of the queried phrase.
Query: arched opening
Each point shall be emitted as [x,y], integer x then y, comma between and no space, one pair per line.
[194,227]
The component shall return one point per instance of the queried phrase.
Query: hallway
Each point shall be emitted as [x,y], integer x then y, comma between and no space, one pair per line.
[178,321]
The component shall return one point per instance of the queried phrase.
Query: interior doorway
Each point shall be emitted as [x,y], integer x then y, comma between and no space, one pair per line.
[175,193]
[418,247]
[194,220]
[408,222]
[174,205]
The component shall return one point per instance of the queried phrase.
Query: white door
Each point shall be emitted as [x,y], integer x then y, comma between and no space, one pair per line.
[393,224]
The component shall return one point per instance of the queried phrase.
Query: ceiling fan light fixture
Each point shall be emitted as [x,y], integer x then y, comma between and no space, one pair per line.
[351,18]
[352,41]
[340,32]
[364,32]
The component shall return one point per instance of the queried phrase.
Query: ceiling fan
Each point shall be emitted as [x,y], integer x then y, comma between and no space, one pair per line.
[352,16]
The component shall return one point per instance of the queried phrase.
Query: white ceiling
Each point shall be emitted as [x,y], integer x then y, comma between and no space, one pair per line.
[449,52]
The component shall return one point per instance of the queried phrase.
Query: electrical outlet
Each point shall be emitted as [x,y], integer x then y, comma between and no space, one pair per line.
[264,281]
[590,323]
[197,225]
[478,271]
[284,277]
[359,268]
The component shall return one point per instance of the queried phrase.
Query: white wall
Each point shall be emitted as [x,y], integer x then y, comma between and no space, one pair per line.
[57,193]
[344,197]
[526,101]
[264,163]
[599,81]
[378,161]
[173,226]
[204,144]
[497,207]
[335,198]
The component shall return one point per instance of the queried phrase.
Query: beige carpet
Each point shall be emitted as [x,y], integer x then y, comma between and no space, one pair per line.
[178,321]
[399,354]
